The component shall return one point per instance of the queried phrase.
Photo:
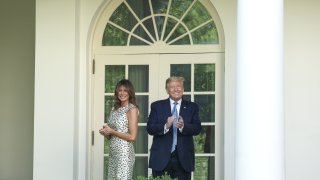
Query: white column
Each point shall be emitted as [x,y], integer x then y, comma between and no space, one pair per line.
[259,97]
[55,119]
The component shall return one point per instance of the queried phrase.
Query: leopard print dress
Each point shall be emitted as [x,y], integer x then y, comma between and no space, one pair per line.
[121,152]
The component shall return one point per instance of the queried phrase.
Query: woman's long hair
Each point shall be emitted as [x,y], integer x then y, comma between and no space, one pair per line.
[129,88]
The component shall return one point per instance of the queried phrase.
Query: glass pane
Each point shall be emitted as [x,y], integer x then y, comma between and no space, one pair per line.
[113,36]
[205,141]
[140,7]
[170,24]
[148,23]
[206,107]
[137,42]
[159,6]
[196,16]
[106,146]
[160,23]
[187,97]
[113,74]
[204,77]
[123,17]
[178,7]
[140,145]
[105,168]
[143,101]
[177,32]
[182,41]
[139,31]
[207,34]
[140,170]
[108,105]
[139,76]
[205,168]
[183,70]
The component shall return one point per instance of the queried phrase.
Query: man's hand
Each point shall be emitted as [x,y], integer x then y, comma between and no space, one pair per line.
[180,122]
[169,122]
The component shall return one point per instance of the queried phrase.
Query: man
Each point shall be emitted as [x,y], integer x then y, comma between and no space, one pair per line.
[173,122]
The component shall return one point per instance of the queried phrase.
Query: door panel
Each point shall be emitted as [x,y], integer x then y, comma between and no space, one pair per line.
[148,73]
[109,70]
[203,75]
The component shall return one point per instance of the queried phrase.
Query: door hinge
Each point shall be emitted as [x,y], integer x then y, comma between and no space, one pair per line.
[92,138]
[93,66]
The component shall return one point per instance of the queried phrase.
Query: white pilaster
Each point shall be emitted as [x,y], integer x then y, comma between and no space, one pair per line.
[259,97]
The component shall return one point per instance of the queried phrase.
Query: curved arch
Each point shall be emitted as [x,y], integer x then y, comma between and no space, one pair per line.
[151,39]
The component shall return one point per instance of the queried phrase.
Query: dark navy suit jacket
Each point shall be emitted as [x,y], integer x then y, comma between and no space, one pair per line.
[161,147]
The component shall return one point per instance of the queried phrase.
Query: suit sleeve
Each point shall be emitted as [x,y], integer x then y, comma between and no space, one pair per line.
[155,126]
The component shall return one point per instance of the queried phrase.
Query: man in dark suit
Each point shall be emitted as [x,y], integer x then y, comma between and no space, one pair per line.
[173,122]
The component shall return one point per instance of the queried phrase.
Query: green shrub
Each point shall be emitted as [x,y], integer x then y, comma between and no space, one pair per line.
[164,177]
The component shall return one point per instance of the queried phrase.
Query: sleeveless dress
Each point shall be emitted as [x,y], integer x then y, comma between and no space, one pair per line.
[121,152]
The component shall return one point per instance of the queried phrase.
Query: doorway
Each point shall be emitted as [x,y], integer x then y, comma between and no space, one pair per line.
[147,41]
[203,85]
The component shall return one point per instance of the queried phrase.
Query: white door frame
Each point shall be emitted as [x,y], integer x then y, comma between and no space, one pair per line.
[159,71]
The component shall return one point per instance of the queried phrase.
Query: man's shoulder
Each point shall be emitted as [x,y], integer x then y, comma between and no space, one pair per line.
[160,101]
[190,103]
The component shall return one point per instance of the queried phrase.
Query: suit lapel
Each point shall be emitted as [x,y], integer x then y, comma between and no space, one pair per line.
[183,108]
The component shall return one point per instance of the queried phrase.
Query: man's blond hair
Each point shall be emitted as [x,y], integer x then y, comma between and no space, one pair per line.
[174,78]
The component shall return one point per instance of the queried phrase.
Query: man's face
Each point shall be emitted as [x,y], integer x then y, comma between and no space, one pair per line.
[175,90]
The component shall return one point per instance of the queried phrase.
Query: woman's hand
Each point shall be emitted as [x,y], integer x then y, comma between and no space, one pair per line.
[106,130]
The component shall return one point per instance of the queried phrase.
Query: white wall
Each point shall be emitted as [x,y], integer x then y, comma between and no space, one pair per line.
[228,11]
[60,143]
[302,89]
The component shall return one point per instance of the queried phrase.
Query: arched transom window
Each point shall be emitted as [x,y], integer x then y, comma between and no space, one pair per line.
[150,22]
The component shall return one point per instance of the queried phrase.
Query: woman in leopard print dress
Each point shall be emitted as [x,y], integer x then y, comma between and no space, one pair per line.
[121,129]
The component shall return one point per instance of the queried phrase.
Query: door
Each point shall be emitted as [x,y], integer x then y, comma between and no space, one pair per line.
[148,72]
[203,85]
[142,71]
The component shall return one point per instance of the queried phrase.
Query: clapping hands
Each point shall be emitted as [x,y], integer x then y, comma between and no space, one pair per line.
[170,122]
[180,123]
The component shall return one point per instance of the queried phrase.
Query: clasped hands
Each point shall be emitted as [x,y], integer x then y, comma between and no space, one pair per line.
[170,122]
[106,130]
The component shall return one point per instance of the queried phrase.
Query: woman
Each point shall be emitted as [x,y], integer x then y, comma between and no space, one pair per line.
[121,129]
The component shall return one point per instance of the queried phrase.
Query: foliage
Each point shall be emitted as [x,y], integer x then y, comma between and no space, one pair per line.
[164,177]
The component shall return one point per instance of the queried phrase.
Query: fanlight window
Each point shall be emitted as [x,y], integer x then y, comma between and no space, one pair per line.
[171,22]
